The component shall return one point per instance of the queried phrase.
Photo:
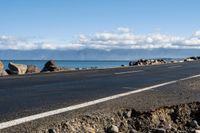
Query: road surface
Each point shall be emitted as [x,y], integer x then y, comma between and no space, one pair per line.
[22,96]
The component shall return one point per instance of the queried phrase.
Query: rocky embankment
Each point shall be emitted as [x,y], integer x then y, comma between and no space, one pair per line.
[142,62]
[145,62]
[51,66]
[183,118]
[21,69]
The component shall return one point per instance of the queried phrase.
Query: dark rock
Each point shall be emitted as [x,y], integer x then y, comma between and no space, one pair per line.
[127,113]
[8,71]
[194,124]
[133,131]
[32,69]
[50,66]
[17,68]
[142,62]
[159,130]
[192,58]
[51,131]
[130,63]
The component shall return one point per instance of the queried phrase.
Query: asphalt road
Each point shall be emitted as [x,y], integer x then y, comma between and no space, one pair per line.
[22,96]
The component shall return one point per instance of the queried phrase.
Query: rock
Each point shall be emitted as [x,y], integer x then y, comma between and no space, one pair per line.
[3,73]
[197,131]
[51,131]
[127,114]
[130,63]
[174,61]
[8,71]
[159,130]
[133,131]
[192,58]
[32,69]
[113,129]
[50,66]
[1,66]
[17,68]
[187,60]
[194,124]
[142,62]
[89,130]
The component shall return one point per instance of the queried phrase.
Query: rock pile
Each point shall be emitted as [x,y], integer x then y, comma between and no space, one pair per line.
[142,62]
[20,69]
[192,58]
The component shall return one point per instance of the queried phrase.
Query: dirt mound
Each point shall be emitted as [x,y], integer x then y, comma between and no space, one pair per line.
[178,118]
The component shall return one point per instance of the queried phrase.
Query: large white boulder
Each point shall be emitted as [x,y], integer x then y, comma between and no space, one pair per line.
[17,68]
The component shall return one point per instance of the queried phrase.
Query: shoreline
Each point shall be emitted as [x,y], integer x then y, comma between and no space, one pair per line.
[23,69]
[86,70]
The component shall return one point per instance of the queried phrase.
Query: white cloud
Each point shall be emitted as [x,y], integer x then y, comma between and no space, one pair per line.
[197,33]
[122,38]
[123,29]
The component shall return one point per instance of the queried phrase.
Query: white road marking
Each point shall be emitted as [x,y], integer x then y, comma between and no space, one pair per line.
[82,105]
[174,66]
[128,72]
[195,76]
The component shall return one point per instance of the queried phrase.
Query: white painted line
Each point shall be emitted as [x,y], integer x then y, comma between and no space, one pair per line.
[195,76]
[128,72]
[82,105]
[174,66]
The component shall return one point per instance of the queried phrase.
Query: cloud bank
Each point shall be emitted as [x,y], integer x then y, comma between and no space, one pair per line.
[121,38]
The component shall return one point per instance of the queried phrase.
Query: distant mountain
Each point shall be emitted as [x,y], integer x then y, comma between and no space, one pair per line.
[92,54]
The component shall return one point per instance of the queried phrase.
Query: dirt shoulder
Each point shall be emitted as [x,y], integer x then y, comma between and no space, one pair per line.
[149,111]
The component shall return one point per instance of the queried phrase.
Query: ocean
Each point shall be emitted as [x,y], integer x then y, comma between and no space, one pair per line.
[70,63]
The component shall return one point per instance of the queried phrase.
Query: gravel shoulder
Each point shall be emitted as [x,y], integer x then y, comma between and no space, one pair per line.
[100,117]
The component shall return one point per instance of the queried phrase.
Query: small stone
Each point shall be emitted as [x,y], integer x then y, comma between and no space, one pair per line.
[51,131]
[197,131]
[159,130]
[113,129]
[90,130]
[128,114]
[194,124]
[133,131]
[173,129]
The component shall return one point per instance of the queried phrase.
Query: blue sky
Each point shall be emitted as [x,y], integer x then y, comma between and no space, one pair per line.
[64,19]
[99,25]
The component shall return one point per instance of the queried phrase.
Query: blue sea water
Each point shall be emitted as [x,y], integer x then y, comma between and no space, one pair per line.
[70,63]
